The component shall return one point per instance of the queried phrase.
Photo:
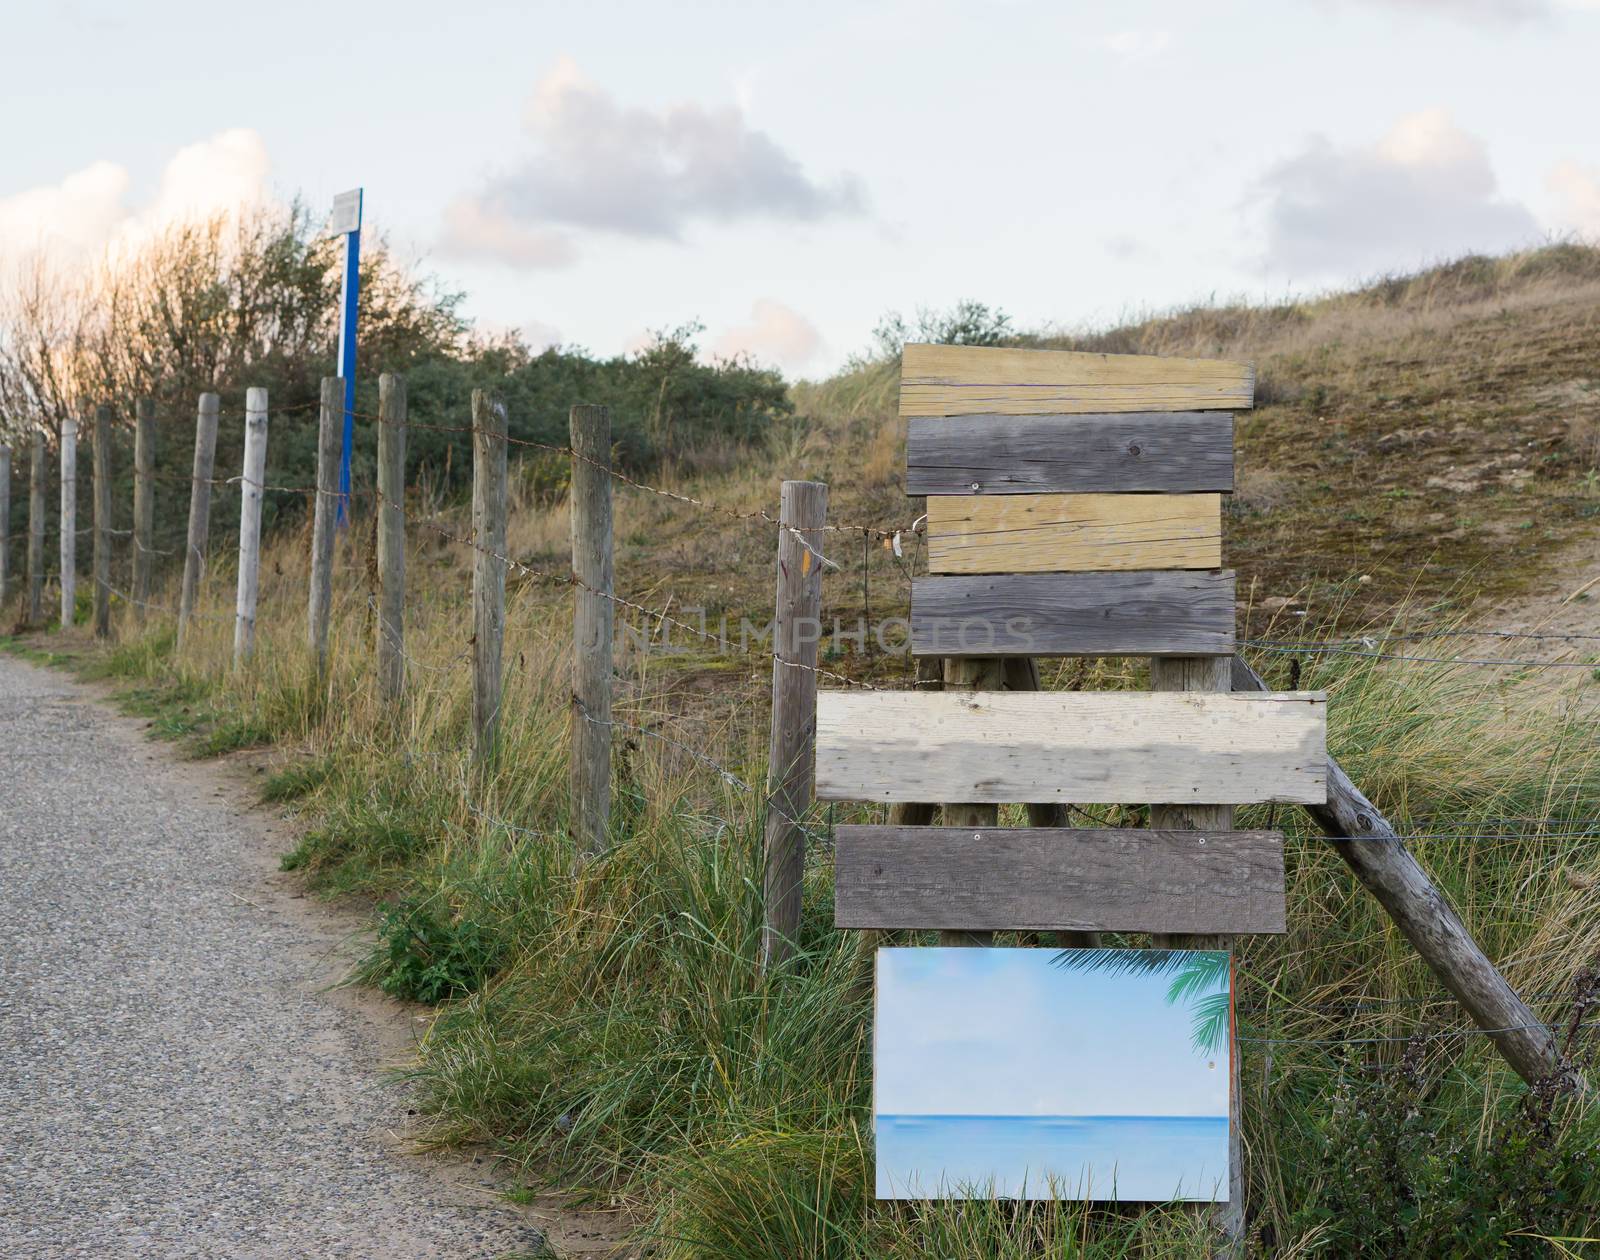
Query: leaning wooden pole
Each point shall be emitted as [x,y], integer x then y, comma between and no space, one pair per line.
[592,628]
[488,569]
[1374,851]
[38,490]
[391,536]
[144,504]
[252,480]
[792,752]
[67,521]
[102,521]
[194,551]
[324,520]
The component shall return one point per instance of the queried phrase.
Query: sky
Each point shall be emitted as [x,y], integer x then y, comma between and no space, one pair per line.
[786,174]
[1002,1032]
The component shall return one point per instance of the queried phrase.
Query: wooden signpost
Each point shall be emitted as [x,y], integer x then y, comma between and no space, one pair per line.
[1074,509]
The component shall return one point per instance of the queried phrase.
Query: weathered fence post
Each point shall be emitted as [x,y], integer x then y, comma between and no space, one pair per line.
[194,555]
[391,535]
[5,523]
[38,487]
[1206,673]
[102,521]
[592,624]
[1022,674]
[972,673]
[488,568]
[324,519]
[144,504]
[252,478]
[792,753]
[68,521]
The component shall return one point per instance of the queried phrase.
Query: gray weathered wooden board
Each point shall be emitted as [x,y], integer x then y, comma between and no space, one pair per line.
[1158,612]
[1058,879]
[1118,747]
[1174,452]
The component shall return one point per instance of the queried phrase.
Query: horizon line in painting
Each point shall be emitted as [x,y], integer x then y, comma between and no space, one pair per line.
[1052,1074]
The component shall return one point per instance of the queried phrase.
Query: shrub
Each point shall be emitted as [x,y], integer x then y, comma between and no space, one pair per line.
[424,956]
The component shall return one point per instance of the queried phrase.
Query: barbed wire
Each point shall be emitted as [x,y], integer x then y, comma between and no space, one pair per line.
[1377,654]
[757,514]
[660,616]
[1366,640]
[1436,1035]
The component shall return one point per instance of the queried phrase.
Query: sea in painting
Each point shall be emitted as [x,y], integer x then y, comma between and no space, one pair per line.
[1035,1073]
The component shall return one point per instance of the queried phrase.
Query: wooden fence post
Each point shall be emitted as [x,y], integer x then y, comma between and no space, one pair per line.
[194,555]
[144,504]
[253,477]
[38,487]
[792,753]
[102,521]
[1206,673]
[592,626]
[5,523]
[391,536]
[68,521]
[1022,674]
[324,517]
[488,568]
[972,673]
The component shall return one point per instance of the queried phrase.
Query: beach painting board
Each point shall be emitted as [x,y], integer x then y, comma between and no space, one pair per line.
[1040,1073]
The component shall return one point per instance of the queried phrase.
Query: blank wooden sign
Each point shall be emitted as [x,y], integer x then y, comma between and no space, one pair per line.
[1119,747]
[1058,879]
[972,380]
[1051,533]
[1170,452]
[1158,613]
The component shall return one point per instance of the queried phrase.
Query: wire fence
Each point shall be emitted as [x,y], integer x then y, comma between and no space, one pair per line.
[1370,647]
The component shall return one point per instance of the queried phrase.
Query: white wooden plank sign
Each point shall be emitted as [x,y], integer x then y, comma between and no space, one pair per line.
[1119,747]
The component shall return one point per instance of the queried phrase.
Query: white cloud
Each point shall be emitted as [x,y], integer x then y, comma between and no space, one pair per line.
[1425,191]
[1577,190]
[88,213]
[599,165]
[1138,45]
[212,177]
[775,334]
[73,217]
[483,228]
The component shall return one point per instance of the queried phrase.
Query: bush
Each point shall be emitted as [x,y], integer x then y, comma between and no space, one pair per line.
[1398,1183]
[426,957]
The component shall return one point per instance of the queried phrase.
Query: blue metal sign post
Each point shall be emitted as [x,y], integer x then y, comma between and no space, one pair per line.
[346,219]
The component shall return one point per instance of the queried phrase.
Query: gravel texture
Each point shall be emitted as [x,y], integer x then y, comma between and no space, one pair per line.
[175,1078]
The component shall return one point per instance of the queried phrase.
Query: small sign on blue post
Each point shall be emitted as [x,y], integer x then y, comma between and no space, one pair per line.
[346,221]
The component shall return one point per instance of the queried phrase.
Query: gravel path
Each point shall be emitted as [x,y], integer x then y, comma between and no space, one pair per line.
[174,1080]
